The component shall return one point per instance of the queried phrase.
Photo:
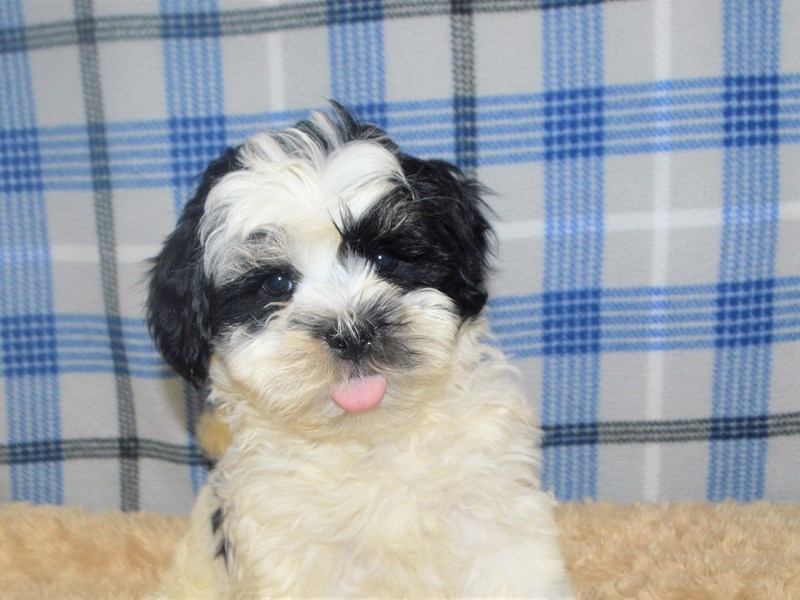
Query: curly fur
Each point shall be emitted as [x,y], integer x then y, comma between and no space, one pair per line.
[319,257]
[673,551]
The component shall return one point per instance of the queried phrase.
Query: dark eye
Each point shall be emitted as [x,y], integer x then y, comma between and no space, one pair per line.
[278,284]
[385,262]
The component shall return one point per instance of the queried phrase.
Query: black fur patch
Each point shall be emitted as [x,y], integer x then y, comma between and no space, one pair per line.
[436,230]
[178,305]
[222,551]
[217,517]
[387,346]
[245,301]
[216,520]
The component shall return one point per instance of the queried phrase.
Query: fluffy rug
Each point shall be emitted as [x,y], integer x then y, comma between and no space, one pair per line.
[655,552]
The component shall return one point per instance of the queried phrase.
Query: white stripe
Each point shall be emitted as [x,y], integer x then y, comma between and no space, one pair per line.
[275,70]
[89,253]
[660,220]
[662,223]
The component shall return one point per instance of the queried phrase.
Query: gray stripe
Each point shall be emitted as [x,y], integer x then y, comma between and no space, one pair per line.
[463,56]
[304,15]
[614,432]
[645,432]
[673,431]
[104,224]
[96,448]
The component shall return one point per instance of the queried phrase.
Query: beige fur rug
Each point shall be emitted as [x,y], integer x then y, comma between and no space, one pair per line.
[654,552]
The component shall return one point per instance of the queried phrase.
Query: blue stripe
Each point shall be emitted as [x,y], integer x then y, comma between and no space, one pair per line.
[743,115]
[32,403]
[742,372]
[144,154]
[194,90]
[574,175]
[654,319]
[196,126]
[638,319]
[356,58]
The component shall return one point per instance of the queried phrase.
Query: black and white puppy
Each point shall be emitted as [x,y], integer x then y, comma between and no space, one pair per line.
[328,289]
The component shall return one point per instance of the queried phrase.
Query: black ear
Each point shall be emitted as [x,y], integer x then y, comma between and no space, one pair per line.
[178,305]
[456,213]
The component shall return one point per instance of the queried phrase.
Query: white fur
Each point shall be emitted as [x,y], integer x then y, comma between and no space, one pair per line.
[432,493]
[449,505]
[299,196]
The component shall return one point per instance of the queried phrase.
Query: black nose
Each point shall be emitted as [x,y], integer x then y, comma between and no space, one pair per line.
[351,341]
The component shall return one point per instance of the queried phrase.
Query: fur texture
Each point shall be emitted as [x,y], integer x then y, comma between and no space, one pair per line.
[328,289]
[676,551]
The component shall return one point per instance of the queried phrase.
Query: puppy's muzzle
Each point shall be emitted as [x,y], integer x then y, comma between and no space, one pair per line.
[352,340]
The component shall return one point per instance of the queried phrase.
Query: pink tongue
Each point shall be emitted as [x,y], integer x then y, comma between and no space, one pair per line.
[358,395]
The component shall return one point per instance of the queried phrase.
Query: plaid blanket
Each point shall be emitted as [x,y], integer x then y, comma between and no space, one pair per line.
[644,159]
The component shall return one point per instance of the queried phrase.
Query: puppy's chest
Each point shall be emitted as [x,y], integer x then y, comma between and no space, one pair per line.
[346,524]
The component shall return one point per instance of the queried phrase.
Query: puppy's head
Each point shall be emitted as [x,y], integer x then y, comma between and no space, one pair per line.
[319,277]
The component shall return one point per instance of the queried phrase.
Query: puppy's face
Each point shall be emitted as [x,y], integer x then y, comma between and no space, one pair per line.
[319,277]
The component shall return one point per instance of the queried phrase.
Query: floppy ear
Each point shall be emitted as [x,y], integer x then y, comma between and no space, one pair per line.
[457,214]
[179,305]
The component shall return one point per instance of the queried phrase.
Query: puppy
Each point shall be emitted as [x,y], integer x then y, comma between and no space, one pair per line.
[328,290]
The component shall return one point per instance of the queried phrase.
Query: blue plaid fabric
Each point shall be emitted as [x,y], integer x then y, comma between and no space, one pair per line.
[644,161]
